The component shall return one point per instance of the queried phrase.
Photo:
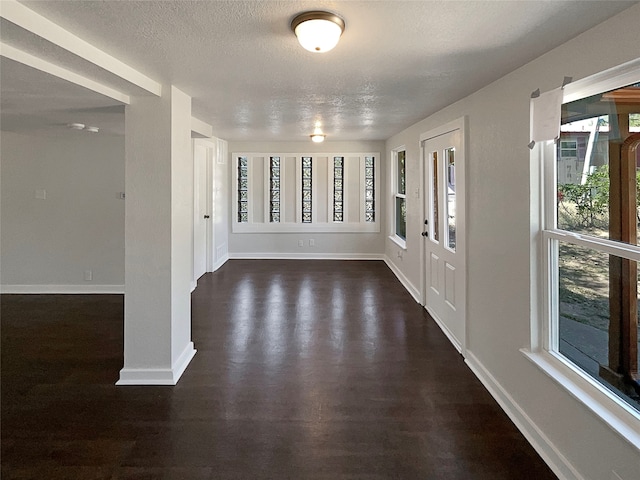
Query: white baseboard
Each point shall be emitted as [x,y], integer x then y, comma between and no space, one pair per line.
[306,256]
[158,376]
[549,453]
[62,289]
[220,262]
[454,341]
[413,291]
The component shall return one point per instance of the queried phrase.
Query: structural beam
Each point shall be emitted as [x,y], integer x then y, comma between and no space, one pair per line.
[35,23]
[29,60]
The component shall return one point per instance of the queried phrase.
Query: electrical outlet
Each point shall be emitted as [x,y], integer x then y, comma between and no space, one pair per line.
[301,243]
[121,195]
[88,275]
[312,243]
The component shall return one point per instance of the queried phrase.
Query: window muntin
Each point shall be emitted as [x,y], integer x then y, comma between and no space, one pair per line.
[592,241]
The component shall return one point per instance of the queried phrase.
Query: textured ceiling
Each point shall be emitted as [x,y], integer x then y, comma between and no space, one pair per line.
[397,61]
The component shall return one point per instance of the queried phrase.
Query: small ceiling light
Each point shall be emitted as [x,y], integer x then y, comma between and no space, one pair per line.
[318,31]
[76,126]
[317,137]
[92,129]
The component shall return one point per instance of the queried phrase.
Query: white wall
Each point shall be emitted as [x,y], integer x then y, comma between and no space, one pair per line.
[337,245]
[498,254]
[48,244]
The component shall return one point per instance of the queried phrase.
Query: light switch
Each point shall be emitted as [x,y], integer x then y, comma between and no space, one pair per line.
[41,194]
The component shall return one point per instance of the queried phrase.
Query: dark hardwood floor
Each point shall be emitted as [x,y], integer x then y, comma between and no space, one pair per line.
[304,370]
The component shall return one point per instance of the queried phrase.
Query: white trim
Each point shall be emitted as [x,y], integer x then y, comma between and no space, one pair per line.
[461,247]
[543,349]
[616,77]
[297,226]
[288,227]
[220,263]
[457,124]
[409,287]
[307,256]
[552,456]
[29,60]
[158,376]
[619,416]
[44,28]
[62,289]
[194,284]
[398,241]
[201,128]
[454,341]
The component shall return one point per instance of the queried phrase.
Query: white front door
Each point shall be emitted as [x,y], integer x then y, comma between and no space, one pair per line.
[201,215]
[444,275]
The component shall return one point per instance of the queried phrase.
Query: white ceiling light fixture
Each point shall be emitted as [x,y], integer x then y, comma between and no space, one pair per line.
[92,129]
[75,126]
[317,137]
[318,31]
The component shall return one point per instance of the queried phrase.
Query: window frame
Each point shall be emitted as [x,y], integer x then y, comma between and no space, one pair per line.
[543,350]
[295,203]
[395,195]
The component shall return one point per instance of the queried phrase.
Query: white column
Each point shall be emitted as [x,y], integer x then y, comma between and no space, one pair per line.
[158,239]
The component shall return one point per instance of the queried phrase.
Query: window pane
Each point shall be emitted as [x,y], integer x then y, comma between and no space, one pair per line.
[274,215]
[401,218]
[369,189]
[400,173]
[450,155]
[594,303]
[306,189]
[435,217]
[597,184]
[338,172]
[243,189]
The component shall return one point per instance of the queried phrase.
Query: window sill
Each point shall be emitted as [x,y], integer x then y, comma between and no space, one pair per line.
[398,241]
[372,227]
[618,416]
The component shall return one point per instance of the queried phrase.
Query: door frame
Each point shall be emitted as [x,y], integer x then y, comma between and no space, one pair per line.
[461,241]
[211,148]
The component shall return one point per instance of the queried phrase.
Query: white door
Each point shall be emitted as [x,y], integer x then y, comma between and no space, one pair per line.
[444,233]
[201,215]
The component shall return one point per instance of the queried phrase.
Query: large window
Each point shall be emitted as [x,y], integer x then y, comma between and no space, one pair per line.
[399,195]
[590,216]
[294,192]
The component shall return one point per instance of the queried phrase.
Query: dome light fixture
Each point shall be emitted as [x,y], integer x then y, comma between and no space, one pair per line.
[317,137]
[318,31]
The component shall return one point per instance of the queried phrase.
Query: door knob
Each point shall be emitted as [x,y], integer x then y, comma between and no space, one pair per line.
[425,234]
[206,216]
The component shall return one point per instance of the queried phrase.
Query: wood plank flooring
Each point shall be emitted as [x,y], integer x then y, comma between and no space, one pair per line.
[305,370]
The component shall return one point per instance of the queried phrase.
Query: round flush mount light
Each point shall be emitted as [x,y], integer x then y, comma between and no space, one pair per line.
[317,137]
[318,31]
